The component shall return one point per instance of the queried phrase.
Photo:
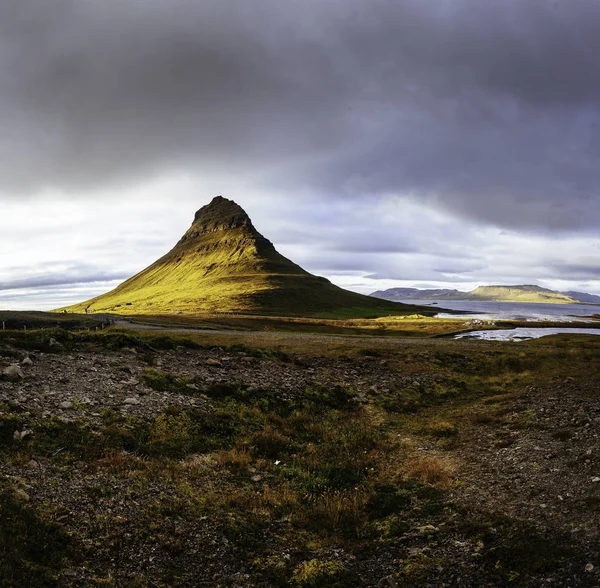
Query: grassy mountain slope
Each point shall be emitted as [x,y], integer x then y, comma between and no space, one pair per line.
[521,293]
[223,264]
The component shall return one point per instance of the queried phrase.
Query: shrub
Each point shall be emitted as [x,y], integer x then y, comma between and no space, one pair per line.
[32,551]
[315,573]
[172,435]
[430,471]
[165,382]
[269,443]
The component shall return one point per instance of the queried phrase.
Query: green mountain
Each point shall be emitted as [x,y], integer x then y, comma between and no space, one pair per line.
[521,293]
[224,265]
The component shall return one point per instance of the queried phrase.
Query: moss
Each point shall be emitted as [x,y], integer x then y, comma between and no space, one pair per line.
[32,551]
[317,573]
[166,382]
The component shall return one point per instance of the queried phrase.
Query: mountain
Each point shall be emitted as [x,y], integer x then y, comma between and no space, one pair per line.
[224,265]
[524,293]
[583,297]
[520,293]
[415,293]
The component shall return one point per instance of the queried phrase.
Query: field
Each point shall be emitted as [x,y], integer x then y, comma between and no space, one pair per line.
[142,458]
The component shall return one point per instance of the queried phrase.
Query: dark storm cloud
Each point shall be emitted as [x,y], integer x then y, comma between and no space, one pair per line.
[488,108]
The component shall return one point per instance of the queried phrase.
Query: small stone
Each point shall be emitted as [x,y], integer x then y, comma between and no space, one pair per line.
[27,361]
[33,464]
[589,567]
[596,479]
[131,401]
[55,344]
[66,405]
[213,362]
[13,373]
[68,573]
[20,435]
[22,495]
[256,478]
[427,529]
[387,582]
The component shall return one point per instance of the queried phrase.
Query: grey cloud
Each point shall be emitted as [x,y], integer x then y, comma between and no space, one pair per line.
[73,274]
[490,109]
[574,271]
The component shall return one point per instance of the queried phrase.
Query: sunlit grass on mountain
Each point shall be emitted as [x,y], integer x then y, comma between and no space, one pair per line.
[224,265]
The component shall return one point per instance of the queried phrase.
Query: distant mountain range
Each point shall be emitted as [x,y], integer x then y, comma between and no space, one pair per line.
[520,293]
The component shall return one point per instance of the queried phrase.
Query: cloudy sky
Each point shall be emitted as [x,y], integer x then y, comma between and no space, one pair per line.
[377,142]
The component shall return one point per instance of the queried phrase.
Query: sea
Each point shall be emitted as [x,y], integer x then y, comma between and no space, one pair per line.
[570,314]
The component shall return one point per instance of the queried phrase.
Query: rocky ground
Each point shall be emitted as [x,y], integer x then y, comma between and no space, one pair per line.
[428,464]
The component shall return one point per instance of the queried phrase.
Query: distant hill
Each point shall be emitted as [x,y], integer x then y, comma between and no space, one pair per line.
[520,293]
[525,293]
[583,297]
[224,265]
[416,294]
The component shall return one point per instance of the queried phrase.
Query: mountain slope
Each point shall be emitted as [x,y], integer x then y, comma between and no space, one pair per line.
[521,293]
[583,297]
[223,264]
[416,294]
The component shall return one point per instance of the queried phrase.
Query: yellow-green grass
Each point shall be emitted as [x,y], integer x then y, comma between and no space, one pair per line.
[521,294]
[223,264]
[394,326]
[20,320]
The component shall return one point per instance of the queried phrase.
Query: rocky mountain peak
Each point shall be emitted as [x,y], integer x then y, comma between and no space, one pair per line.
[220,214]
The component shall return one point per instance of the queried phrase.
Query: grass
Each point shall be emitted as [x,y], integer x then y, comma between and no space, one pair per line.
[315,489]
[32,550]
[224,265]
[18,320]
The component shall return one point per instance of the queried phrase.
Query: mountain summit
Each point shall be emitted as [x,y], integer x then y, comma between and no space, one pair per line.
[223,264]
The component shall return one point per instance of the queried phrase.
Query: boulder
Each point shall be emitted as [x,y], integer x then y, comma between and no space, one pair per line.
[13,373]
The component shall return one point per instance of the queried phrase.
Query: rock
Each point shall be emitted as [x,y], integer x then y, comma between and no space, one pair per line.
[68,573]
[387,582]
[55,344]
[596,479]
[427,529]
[13,373]
[66,405]
[20,435]
[27,361]
[213,362]
[256,478]
[22,495]
[33,464]
[131,401]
